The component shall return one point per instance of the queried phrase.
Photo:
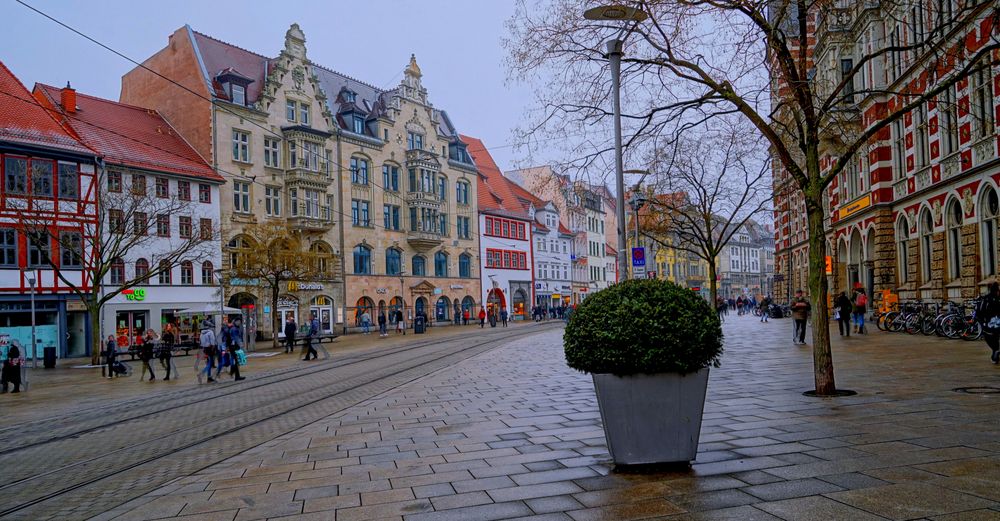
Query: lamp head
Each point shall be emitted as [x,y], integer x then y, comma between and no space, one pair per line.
[615,12]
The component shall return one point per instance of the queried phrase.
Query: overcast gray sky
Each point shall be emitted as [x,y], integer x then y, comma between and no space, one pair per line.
[457,44]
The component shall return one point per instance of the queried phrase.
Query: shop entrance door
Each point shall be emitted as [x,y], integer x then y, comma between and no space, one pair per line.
[129,327]
[76,334]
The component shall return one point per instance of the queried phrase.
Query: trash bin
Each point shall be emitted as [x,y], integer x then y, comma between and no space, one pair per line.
[50,357]
[418,325]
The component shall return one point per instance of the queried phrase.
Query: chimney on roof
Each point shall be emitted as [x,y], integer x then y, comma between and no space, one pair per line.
[67,98]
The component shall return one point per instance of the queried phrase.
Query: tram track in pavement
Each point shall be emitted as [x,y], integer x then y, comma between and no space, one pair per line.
[68,426]
[110,468]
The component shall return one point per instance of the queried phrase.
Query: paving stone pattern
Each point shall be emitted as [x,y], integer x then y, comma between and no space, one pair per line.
[514,434]
[200,427]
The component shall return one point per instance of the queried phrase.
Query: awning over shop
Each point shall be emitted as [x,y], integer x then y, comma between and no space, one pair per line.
[209,310]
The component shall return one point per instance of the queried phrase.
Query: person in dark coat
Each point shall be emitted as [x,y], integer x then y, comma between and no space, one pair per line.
[10,373]
[988,314]
[110,355]
[166,352]
[382,324]
[290,328]
[146,354]
[844,308]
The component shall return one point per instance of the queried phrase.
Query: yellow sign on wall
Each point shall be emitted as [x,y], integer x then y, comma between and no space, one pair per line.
[829,265]
[854,206]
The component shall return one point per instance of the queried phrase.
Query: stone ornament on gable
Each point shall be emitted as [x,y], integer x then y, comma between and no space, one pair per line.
[298,76]
[937,212]
[911,220]
[967,202]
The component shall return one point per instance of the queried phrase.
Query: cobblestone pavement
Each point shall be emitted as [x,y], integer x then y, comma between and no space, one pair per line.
[512,433]
[76,465]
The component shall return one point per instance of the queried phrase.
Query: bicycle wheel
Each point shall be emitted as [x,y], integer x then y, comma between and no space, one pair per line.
[883,320]
[913,324]
[897,323]
[928,327]
[952,326]
[973,329]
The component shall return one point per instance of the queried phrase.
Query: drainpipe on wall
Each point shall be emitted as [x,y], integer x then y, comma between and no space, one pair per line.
[343,253]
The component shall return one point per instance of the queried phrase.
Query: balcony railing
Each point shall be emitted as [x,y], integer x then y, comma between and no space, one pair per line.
[300,176]
[311,216]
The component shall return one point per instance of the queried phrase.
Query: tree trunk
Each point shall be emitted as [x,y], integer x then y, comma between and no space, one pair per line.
[96,342]
[713,286]
[818,290]
[275,318]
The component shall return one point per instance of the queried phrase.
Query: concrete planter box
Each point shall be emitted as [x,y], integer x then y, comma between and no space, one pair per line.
[652,418]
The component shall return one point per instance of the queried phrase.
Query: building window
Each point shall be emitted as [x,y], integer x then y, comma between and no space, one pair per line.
[303,113]
[140,223]
[949,121]
[71,250]
[954,240]
[443,224]
[990,207]
[464,228]
[15,176]
[141,270]
[241,197]
[184,190]
[116,221]
[293,201]
[187,273]
[204,193]
[114,179]
[465,265]
[272,201]
[362,260]
[846,76]
[390,217]
[271,157]
[41,178]
[926,243]
[241,146]
[440,264]
[163,225]
[902,250]
[117,272]
[349,96]
[462,192]
[359,171]
[414,141]
[164,272]
[69,184]
[239,251]
[392,261]
[419,266]
[184,226]
[39,250]
[293,155]
[290,110]
[443,188]
[8,247]
[205,229]
[390,178]
[162,187]
[207,271]
[311,208]
[138,184]
[239,95]
[360,213]
[358,124]
[920,120]
[982,98]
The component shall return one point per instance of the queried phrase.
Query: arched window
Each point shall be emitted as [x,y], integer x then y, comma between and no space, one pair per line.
[187,273]
[990,211]
[164,277]
[440,264]
[141,269]
[322,258]
[954,240]
[926,229]
[117,272]
[239,253]
[207,273]
[462,192]
[393,258]
[419,266]
[902,250]
[362,260]
[465,265]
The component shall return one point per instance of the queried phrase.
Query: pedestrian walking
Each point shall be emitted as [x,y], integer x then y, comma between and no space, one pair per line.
[400,326]
[765,308]
[166,352]
[310,337]
[860,308]
[503,316]
[720,308]
[465,317]
[366,322]
[290,329]
[482,318]
[10,366]
[146,354]
[842,314]
[988,314]
[110,353]
[800,313]
[222,354]
[209,346]
[383,330]
[237,354]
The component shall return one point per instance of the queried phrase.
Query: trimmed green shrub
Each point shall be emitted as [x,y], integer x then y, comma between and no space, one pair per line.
[643,326]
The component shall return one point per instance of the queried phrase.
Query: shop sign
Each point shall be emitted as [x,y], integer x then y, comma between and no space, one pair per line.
[583,290]
[267,309]
[437,291]
[829,265]
[235,281]
[566,288]
[854,206]
[75,305]
[382,291]
[294,285]
[556,296]
[456,286]
[136,294]
[287,302]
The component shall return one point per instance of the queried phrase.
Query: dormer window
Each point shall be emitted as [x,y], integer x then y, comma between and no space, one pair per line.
[359,125]
[239,95]
[350,96]
[414,141]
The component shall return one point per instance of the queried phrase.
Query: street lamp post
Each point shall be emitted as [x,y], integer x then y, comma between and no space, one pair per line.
[402,302]
[34,344]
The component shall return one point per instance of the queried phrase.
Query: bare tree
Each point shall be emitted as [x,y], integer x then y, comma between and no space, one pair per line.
[692,61]
[130,222]
[711,188]
[273,255]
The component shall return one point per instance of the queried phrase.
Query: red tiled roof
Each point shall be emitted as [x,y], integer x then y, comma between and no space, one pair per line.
[23,120]
[564,229]
[496,193]
[541,227]
[608,250]
[131,136]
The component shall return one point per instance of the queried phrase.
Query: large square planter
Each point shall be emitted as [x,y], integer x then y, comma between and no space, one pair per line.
[652,418]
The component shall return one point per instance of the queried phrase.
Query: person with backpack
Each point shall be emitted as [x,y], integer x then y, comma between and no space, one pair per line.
[310,336]
[290,329]
[988,315]
[222,351]
[844,308]
[209,347]
[236,351]
[800,314]
[860,308]
[765,309]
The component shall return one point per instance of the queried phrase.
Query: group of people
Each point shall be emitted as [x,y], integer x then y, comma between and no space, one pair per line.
[220,351]
[539,313]
[494,316]
[744,305]
[851,310]
[310,341]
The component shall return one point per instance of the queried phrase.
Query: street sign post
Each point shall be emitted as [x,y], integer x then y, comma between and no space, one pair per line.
[638,263]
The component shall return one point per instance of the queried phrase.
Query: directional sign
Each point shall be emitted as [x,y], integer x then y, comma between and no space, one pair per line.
[638,262]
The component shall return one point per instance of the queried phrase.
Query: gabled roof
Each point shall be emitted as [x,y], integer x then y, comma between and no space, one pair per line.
[564,229]
[218,56]
[130,136]
[23,120]
[496,194]
[609,251]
